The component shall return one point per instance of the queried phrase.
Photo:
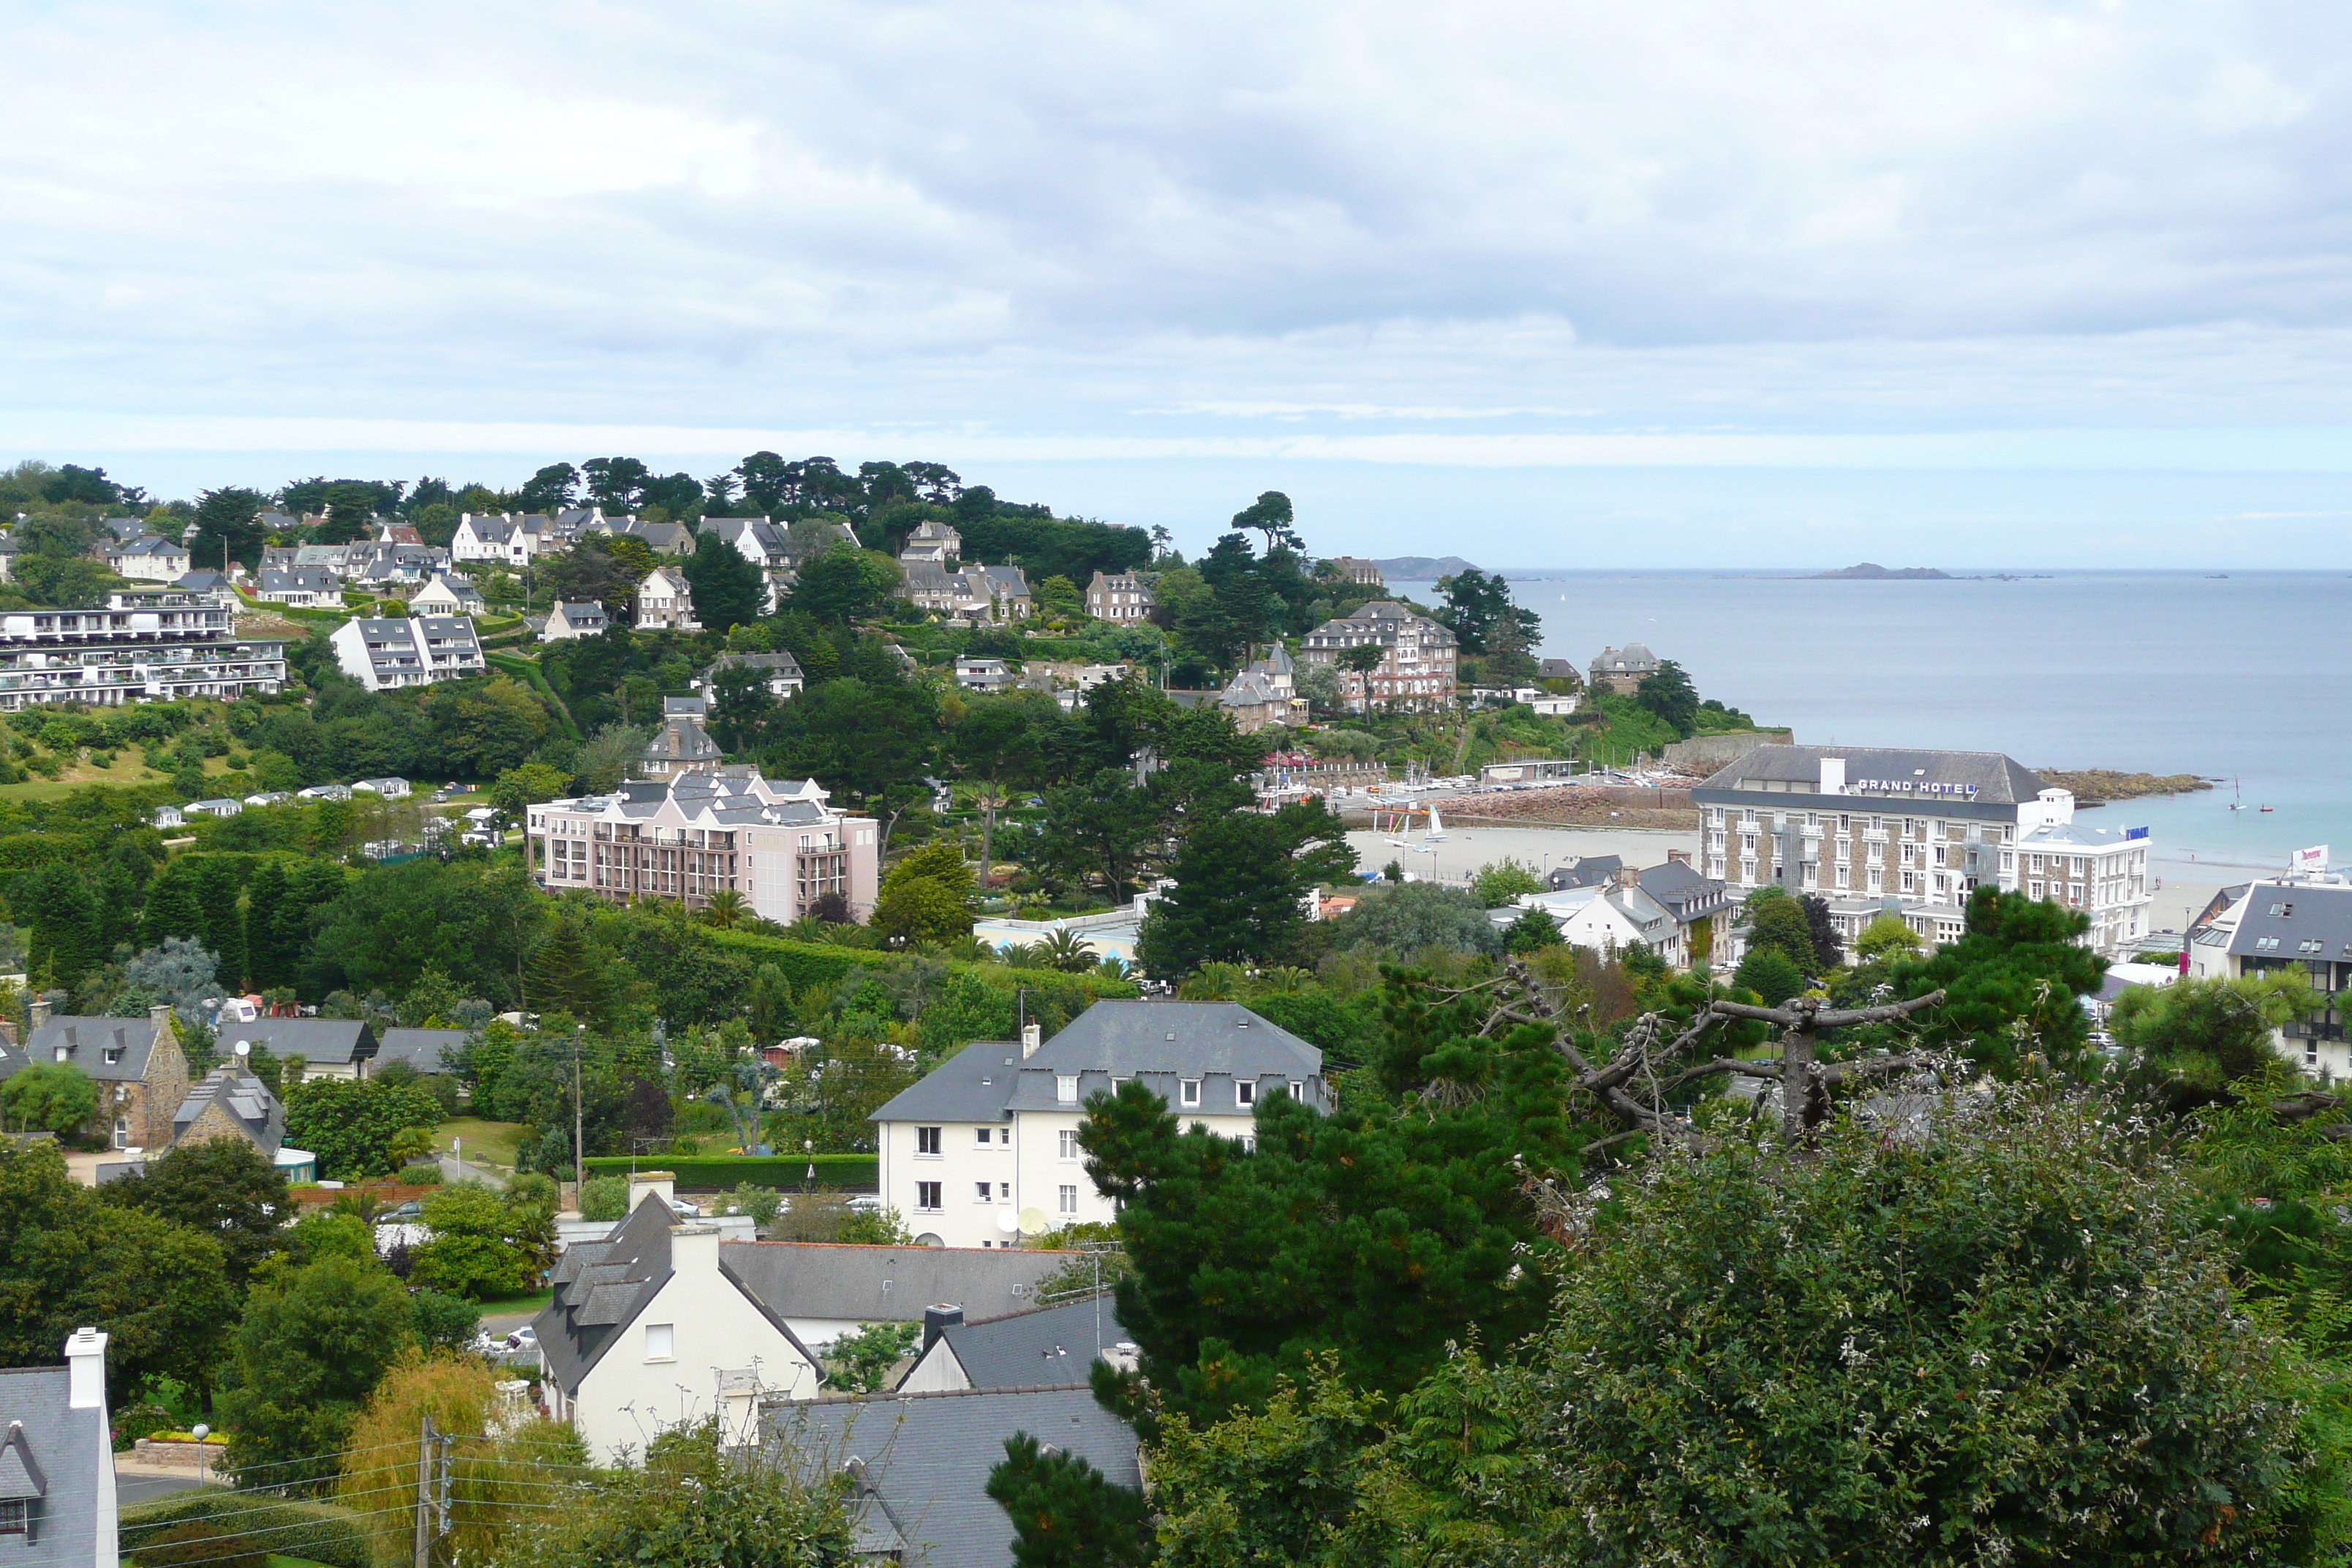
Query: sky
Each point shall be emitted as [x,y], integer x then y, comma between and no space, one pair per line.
[1544,284]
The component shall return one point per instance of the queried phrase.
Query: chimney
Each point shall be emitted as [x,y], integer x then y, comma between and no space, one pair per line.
[938,1319]
[85,1373]
[659,1184]
[159,1015]
[1683,856]
[694,1253]
[1031,1037]
[39,1012]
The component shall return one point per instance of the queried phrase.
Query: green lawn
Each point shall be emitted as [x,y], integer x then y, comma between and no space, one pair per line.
[532,1302]
[491,1142]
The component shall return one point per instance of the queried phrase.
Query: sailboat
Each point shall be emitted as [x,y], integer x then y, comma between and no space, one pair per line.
[2239,803]
[1436,834]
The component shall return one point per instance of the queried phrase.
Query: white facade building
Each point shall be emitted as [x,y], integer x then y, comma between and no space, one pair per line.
[448,594]
[148,558]
[990,1137]
[569,621]
[514,542]
[664,603]
[652,1328]
[2299,923]
[413,650]
[776,842]
[145,646]
[1915,832]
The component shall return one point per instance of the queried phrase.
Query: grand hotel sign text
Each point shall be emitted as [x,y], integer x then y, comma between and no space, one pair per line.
[1914,787]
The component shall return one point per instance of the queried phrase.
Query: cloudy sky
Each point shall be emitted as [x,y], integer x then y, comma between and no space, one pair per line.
[1562,283]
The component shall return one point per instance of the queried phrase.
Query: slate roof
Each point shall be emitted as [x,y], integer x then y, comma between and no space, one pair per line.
[337,1040]
[602,1286]
[48,1450]
[973,1085]
[886,1284]
[1999,780]
[2307,920]
[1591,871]
[681,740]
[420,1048]
[1676,887]
[1049,1345]
[924,1459]
[256,1110]
[299,580]
[87,1043]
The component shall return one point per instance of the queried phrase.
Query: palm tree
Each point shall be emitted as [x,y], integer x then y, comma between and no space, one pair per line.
[1066,951]
[725,908]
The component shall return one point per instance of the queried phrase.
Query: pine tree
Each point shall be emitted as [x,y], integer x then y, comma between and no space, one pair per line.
[117,907]
[174,906]
[55,903]
[567,971]
[266,961]
[218,880]
[1064,1512]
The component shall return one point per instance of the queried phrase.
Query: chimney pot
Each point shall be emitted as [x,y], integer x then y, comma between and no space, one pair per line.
[1031,1037]
[85,1370]
[160,1013]
[39,1012]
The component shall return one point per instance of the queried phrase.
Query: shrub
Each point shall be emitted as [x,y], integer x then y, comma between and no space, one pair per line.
[210,1545]
[604,1198]
[760,1203]
[320,1532]
[419,1176]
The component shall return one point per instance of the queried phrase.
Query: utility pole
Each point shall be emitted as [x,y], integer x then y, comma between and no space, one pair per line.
[424,1445]
[579,1119]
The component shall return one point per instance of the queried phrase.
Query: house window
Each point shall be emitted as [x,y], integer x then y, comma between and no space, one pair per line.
[1188,1091]
[927,1141]
[123,1132]
[1069,1144]
[1069,1198]
[661,1341]
[15,1517]
[1065,1087]
[987,1191]
[1246,1091]
[927,1196]
[980,1135]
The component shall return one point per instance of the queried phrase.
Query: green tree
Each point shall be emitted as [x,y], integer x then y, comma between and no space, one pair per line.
[843,584]
[349,1123]
[2012,984]
[160,1291]
[1501,882]
[1777,921]
[863,1360]
[1241,885]
[1476,602]
[1670,695]
[221,1187]
[1768,972]
[313,1344]
[519,789]
[1064,1512]
[697,1503]
[927,898]
[474,1251]
[49,1096]
[1103,825]
[1887,936]
[1534,931]
[55,905]
[227,526]
[1399,920]
[2004,1339]
[175,902]
[218,880]
[2198,1037]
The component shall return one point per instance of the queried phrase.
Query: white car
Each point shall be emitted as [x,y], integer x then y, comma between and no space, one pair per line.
[866,1203]
[524,1339]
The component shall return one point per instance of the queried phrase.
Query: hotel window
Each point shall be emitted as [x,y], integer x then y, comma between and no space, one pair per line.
[987,1191]
[2034,890]
[980,1135]
[1067,1195]
[1069,1143]
[927,1141]
[927,1196]
[1188,1091]
[1845,823]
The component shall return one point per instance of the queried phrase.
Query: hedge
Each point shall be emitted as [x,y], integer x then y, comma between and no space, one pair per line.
[321,1532]
[716,1173]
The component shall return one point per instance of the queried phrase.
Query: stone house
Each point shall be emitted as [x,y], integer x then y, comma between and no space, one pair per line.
[140,1072]
[1622,670]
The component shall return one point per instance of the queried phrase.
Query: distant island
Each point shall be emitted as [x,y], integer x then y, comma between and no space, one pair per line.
[1420,568]
[1871,571]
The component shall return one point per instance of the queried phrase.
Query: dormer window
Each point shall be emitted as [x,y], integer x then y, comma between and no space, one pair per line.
[1065,1087]
[113,1055]
[1246,1091]
[1188,1091]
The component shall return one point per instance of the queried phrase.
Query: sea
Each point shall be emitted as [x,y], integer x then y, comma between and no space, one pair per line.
[2233,677]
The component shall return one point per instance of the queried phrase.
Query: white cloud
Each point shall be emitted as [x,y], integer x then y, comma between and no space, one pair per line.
[1687,232]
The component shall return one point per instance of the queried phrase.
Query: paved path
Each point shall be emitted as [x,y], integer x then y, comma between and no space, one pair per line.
[142,1483]
[454,1170]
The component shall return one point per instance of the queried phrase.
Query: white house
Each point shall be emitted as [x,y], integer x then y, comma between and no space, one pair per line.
[57,1504]
[987,1144]
[148,558]
[415,650]
[513,542]
[448,594]
[222,806]
[390,788]
[2283,924]
[304,587]
[570,620]
[782,671]
[652,1328]
[664,604]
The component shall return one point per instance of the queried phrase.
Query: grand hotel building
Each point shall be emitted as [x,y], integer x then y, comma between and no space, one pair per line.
[1915,832]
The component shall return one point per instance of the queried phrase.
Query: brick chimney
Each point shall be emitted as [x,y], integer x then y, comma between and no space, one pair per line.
[39,1013]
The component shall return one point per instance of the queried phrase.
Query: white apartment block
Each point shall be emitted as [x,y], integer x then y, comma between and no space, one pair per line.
[776,841]
[992,1135]
[385,654]
[1915,833]
[144,647]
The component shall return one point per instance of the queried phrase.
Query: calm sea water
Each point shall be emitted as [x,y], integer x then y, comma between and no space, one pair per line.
[2245,676]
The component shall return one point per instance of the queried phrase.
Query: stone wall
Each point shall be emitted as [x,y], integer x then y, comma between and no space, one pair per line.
[1704,754]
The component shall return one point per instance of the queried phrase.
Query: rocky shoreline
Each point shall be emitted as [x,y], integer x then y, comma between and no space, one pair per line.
[2094,785]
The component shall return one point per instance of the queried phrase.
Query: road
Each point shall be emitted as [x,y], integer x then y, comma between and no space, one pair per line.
[1457,857]
[454,1170]
[132,1486]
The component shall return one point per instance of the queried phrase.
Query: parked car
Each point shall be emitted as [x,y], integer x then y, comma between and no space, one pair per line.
[410,1210]
[524,1339]
[866,1203]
